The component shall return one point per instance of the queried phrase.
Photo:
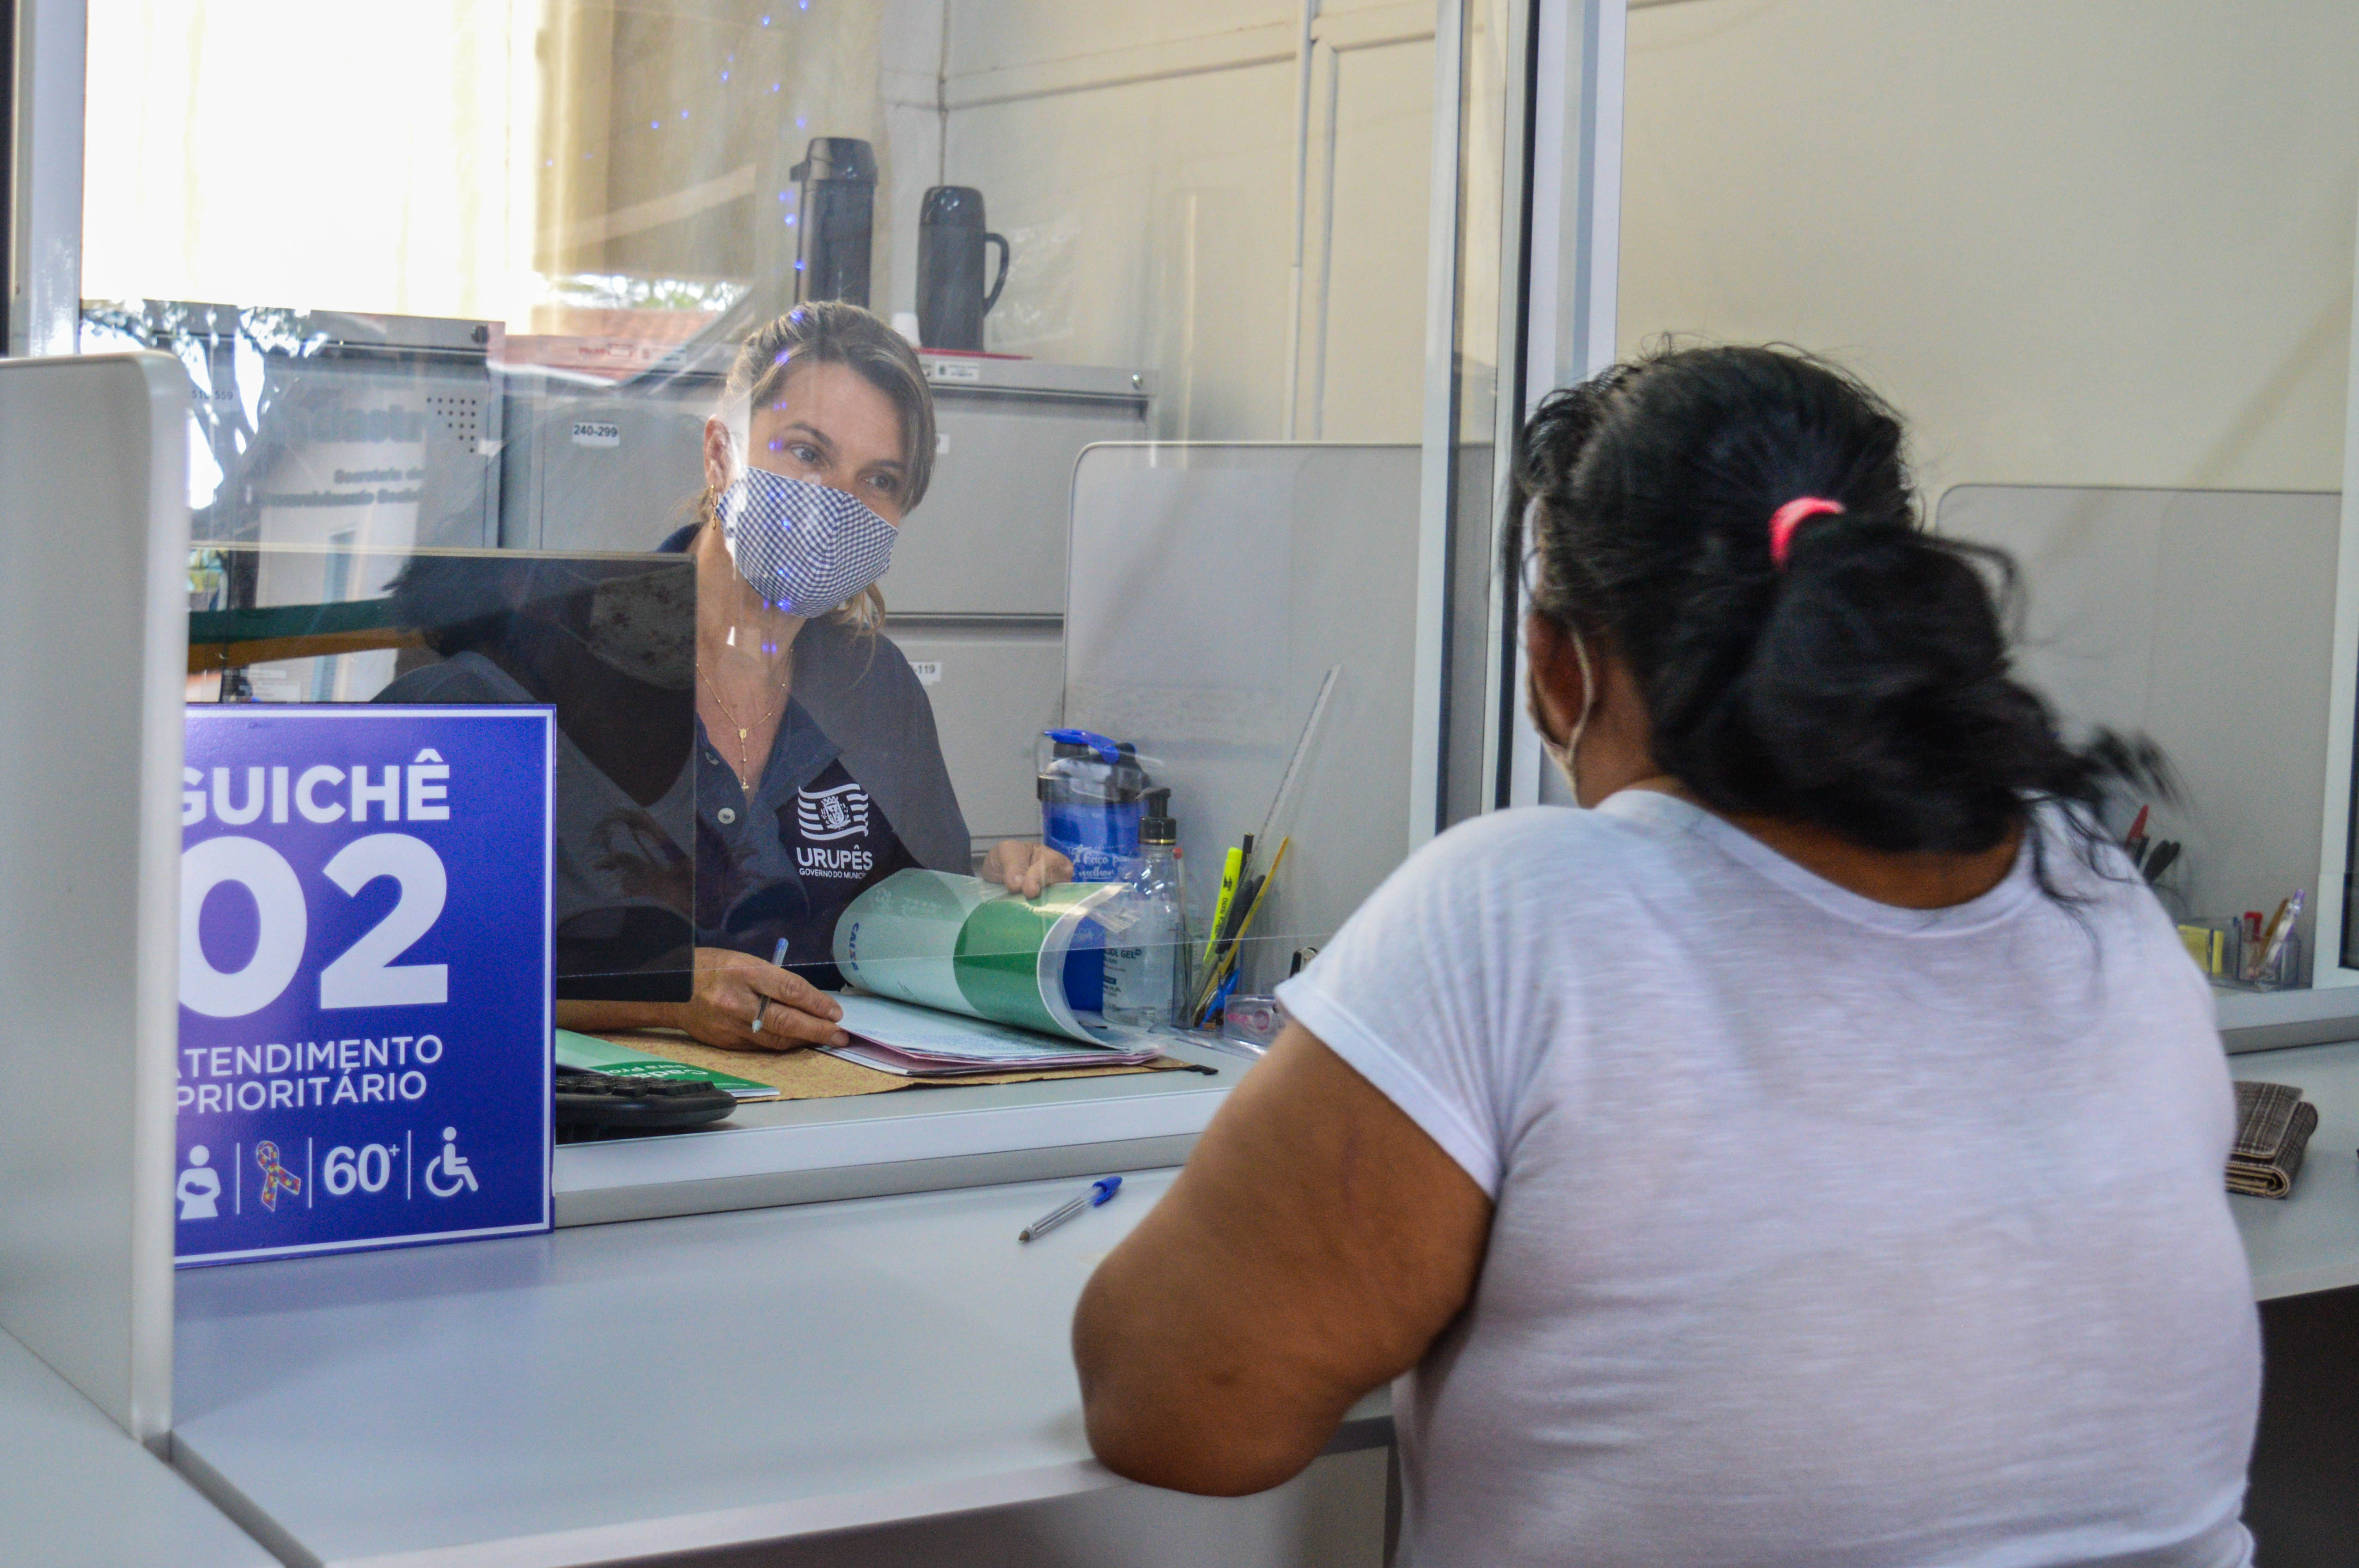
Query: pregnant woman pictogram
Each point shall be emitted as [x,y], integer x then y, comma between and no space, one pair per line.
[198,1188]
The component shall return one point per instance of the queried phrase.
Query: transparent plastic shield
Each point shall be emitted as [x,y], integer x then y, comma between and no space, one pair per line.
[1272,704]
[619,293]
[609,641]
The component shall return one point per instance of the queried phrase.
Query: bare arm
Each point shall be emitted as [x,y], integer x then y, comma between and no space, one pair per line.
[1316,1244]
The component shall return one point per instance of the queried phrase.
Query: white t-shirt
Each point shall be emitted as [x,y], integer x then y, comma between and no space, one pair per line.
[1827,1233]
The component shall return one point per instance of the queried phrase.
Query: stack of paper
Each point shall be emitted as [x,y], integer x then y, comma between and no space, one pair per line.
[921,1042]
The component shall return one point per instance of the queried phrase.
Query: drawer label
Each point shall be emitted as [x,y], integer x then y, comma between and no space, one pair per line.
[596,433]
[929,671]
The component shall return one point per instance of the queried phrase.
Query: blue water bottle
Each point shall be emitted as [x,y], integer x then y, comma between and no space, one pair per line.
[1091,794]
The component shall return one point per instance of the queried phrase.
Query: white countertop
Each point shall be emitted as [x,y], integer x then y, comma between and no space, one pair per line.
[2309,1239]
[75,1492]
[610,1391]
[914,1140]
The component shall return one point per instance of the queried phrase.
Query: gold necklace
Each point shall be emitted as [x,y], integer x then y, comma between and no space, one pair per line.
[744,757]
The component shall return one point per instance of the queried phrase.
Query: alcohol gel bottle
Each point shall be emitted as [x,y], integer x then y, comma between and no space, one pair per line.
[1146,959]
[1090,790]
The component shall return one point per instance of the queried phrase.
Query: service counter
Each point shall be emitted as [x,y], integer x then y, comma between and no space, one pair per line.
[757,1367]
[612,1391]
[914,1139]
[2309,1240]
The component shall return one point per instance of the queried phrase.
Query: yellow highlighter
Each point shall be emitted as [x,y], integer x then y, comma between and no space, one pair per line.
[1230,872]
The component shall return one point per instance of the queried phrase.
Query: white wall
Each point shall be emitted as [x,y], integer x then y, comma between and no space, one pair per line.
[2079,241]
[1139,156]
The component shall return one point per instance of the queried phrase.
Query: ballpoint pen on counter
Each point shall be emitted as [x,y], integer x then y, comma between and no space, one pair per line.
[1100,1190]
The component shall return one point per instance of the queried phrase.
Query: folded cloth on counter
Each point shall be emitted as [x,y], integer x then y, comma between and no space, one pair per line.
[2273,1128]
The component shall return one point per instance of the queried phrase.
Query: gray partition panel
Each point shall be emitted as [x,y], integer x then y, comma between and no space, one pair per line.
[76,1493]
[93,607]
[1213,585]
[2204,619]
[995,685]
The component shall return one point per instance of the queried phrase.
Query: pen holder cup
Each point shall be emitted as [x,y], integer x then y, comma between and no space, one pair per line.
[2221,947]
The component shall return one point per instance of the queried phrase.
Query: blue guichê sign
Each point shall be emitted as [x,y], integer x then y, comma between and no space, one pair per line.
[366,957]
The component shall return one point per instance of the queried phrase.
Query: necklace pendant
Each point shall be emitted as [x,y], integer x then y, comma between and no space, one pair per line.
[740,734]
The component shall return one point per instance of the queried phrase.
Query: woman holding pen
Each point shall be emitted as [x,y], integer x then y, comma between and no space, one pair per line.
[1811,1153]
[817,770]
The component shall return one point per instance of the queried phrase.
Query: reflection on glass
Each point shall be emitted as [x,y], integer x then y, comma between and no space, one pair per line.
[552,307]
[1127,185]
[608,641]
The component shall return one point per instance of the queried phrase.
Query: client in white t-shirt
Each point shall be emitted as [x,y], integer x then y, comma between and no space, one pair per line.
[1811,1155]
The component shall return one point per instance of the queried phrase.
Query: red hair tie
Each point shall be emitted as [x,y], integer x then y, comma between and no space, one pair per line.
[1787,518]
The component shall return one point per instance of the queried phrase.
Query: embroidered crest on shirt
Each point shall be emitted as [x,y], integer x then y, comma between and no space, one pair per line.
[826,815]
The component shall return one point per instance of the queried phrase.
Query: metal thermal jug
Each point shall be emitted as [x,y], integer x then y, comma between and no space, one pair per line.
[836,218]
[951,239]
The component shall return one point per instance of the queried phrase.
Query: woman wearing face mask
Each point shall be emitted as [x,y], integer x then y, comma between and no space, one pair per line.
[1811,1155]
[819,770]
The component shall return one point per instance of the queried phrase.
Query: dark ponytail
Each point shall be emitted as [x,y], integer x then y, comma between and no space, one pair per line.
[1863,686]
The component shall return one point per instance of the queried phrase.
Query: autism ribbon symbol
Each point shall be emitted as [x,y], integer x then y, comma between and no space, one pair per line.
[275,1177]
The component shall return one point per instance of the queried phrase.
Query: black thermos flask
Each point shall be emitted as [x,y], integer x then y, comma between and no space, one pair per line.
[951,301]
[835,220]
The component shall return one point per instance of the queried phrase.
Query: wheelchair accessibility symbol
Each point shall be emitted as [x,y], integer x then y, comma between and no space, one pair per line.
[448,1173]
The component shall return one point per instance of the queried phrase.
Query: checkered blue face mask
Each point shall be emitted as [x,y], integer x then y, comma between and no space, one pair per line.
[805,547]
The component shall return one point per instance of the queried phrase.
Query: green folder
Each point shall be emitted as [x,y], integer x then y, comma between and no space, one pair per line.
[587,1053]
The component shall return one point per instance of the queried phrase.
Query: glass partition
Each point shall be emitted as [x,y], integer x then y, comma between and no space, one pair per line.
[2119,349]
[830,300]
[608,641]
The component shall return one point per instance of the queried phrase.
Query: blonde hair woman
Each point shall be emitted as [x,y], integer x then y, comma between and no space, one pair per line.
[819,771]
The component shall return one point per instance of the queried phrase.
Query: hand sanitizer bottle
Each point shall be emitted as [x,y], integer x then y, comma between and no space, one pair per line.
[1146,961]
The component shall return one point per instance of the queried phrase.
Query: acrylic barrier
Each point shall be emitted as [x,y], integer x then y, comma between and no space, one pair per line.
[608,641]
[1230,780]
[2204,620]
[1243,617]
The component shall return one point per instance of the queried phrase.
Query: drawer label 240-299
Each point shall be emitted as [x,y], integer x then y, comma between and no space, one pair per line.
[365,956]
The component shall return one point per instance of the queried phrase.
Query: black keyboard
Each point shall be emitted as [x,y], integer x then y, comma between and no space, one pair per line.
[590,1103]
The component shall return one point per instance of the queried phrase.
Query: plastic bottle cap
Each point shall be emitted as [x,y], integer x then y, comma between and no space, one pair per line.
[1157,826]
[1085,742]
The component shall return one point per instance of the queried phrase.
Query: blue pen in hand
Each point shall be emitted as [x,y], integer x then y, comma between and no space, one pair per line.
[1099,1192]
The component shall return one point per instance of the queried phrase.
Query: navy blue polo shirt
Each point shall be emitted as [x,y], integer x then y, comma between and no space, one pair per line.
[781,866]
[853,790]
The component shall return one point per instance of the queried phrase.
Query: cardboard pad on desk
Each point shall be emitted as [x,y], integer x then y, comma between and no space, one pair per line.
[806,1073]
